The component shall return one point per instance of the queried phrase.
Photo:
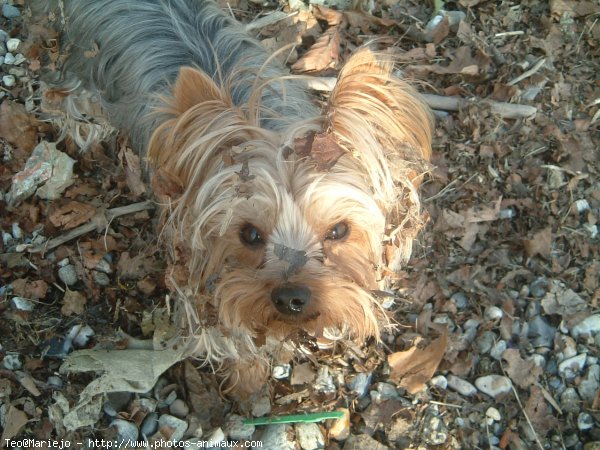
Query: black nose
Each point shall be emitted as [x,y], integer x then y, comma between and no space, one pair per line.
[291,299]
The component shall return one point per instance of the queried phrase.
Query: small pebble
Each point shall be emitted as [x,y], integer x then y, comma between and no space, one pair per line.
[439,381]
[538,287]
[461,386]
[9,11]
[3,36]
[434,431]
[19,59]
[236,429]
[590,383]
[278,436]
[309,436]
[68,275]
[127,431]
[177,426]
[100,278]
[149,425]
[493,414]
[497,350]
[589,326]
[324,382]
[492,313]
[261,406]
[55,382]
[494,385]
[570,401]
[9,59]
[12,45]
[179,409]
[215,438]
[22,304]
[541,332]
[281,371]
[81,335]
[12,361]
[359,385]
[385,391]
[581,205]
[571,367]
[460,300]
[9,80]
[585,421]
[485,342]
[506,213]
[16,231]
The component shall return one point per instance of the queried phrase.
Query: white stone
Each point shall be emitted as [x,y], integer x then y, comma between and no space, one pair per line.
[9,59]
[309,436]
[492,313]
[589,326]
[439,381]
[494,385]
[13,44]
[571,367]
[492,415]
[9,80]
[461,386]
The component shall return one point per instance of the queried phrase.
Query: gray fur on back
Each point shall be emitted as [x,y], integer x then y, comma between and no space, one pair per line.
[143,43]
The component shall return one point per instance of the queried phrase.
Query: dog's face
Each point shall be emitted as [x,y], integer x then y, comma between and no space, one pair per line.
[287,228]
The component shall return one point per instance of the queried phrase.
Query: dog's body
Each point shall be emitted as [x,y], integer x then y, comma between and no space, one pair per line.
[286,212]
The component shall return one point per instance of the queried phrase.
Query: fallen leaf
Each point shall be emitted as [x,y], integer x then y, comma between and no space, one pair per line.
[73,303]
[302,374]
[72,215]
[17,126]
[413,368]
[540,244]
[539,413]
[333,17]
[29,289]
[523,373]
[136,267]
[133,172]
[323,54]
[14,421]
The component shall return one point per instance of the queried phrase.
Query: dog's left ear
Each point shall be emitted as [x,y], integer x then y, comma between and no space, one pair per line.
[373,111]
[387,127]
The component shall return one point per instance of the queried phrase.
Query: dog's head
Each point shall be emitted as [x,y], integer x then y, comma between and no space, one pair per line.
[293,229]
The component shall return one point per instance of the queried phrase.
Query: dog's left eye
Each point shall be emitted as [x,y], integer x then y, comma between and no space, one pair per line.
[250,235]
[337,232]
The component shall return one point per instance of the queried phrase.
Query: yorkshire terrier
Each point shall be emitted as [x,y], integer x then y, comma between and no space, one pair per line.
[287,214]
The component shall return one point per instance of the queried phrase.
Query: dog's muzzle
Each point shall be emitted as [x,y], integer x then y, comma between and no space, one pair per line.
[290,299]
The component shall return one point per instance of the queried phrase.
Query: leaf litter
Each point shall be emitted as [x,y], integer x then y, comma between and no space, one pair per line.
[513,207]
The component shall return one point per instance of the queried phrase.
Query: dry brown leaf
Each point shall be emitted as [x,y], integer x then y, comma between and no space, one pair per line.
[333,17]
[73,303]
[136,267]
[366,22]
[539,413]
[540,244]
[133,172]
[413,368]
[72,215]
[29,289]
[17,126]
[323,54]
[14,421]
[523,373]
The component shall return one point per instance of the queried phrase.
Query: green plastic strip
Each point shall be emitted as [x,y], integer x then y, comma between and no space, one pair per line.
[295,418]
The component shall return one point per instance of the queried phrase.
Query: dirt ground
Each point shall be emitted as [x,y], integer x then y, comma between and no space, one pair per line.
[509,261]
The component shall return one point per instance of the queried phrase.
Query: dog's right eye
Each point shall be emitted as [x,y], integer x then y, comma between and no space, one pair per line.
[250,235]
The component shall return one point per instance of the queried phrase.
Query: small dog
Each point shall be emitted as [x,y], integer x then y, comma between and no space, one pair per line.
[282,216]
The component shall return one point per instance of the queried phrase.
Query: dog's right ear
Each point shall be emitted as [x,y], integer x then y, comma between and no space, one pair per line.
[194,87]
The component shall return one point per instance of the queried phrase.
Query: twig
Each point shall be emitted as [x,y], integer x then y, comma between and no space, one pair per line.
[505,110]
[98,222]
[538,65]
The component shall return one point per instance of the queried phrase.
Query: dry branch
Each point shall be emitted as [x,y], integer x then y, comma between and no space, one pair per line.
[98,222]
[439,102]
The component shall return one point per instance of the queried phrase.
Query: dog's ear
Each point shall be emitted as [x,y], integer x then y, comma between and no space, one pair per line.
[194,87]
[197,121]
[368,97]
[388,128]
